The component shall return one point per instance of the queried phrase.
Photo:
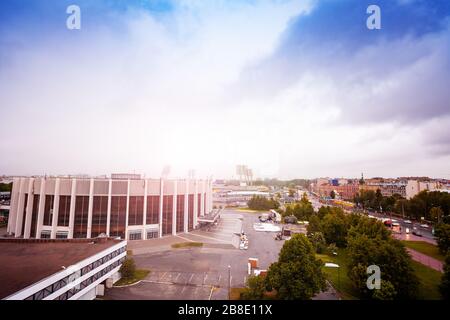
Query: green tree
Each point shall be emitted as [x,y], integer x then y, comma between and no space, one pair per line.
[442,235]
[314,225]
[333,194]
[255,288]
[334,227]
[318,241]
[436,214]
[386,291]
[444,287]
[128,268]
[390,256]
[297,274]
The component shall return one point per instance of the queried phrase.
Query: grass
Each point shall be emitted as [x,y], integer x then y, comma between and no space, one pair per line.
[187,245]
[429,281]
[425,248]
[235,293]
[138,275]
[338,276]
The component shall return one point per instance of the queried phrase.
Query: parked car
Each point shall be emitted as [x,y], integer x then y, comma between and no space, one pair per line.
[408,222]
[424,225]
[290,219]
[416,232]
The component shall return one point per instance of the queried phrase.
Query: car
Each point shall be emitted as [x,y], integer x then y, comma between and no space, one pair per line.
[408,221]
[290,219]
[416,232]
[264,217]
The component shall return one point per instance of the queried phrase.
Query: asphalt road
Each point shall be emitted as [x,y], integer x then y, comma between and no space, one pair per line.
[202,273]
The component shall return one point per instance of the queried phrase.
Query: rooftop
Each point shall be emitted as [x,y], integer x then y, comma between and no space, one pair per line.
[25,262]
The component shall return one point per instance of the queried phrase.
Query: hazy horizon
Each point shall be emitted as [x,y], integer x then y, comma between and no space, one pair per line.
[291,88]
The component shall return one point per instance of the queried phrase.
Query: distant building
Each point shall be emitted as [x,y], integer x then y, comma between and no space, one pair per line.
[132,209]
[59,269]
[413,187]
[346,192]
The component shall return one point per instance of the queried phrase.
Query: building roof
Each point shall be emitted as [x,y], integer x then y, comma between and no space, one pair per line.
[27,261]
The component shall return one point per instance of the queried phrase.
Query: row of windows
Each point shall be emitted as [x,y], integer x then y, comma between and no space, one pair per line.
[77,274]
[118,213]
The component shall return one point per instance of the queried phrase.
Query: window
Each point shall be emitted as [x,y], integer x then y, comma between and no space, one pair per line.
[99,215]
[34,216]
[81,216]
[136,211]
[48,210]
[152,209]
[180,213]
[152,234]
[167,215]
[64,211]
[118,216]
[135,235]
[45,234]
[61,235]
[191,212]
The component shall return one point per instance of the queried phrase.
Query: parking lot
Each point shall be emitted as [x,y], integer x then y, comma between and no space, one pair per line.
[202,273]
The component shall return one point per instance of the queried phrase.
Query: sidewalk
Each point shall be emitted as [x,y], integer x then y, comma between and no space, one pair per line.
[426,260]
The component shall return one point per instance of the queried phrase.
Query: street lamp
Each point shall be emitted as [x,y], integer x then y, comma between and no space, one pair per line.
[229,282]
[334,265]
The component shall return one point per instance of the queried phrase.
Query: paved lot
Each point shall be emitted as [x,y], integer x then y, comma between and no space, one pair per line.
[200,273]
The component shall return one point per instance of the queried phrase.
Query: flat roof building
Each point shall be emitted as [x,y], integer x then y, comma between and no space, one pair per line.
[58,269]
[132,209]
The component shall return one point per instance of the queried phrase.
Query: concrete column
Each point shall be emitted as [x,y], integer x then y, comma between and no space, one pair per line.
[91,202]
[128,209]
[161,199]
[40,221]
[186,207]
[19,216]
[108,215]
[73,198]
[144,222]
[174,207]
[195,203]
[202,202]
[29,212]
[55,209]
[14,201]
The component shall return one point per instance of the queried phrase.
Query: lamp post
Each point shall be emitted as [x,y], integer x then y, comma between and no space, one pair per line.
[229,282]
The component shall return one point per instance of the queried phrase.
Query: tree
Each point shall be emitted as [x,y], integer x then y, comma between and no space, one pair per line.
[256,287]
[390,256]
[318,241]
[333,194]
[314,225]
[262,203]
[444,287]
[291,192]
[436,214]
[334,227]
[442,235]
[128,268]
[386,291]
[297,274]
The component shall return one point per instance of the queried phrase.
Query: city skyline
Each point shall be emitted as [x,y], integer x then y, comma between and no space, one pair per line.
[304,90]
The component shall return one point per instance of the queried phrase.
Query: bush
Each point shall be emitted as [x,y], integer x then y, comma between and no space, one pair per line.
[442,235]
[256,287]
[444,288]
[128,268]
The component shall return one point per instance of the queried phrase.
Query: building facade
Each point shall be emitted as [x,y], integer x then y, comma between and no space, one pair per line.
[132,209]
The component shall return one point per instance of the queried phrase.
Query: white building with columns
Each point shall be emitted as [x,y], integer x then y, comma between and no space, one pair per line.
[132,209]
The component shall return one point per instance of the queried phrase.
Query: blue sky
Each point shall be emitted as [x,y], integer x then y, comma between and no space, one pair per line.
[207,85]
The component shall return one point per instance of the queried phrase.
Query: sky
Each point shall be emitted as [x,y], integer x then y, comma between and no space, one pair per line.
[291,88]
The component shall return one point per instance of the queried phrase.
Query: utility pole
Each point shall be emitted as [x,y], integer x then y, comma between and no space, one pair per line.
[229,282]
